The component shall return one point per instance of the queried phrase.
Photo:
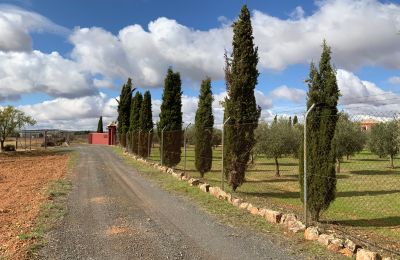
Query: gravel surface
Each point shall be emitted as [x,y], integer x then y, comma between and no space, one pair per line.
[114,213]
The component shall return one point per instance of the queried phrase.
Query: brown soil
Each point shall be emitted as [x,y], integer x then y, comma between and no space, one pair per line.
[115,230]
[24,177]
[99,200]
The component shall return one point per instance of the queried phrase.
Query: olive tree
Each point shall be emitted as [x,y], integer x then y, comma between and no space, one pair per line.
[277,140]
[12,119]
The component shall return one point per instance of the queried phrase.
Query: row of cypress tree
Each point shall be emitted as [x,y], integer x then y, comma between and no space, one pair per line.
[135,119]
[241,115]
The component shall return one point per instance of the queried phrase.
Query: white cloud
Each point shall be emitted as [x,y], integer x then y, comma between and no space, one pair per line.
[75,113]
[360,33]
[395,80]
[17,23]
[29,72]
[291,94]
[146,55]
[364,99]
[357,91]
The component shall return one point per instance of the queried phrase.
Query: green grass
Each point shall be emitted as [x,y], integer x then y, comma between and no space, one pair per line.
[225,212]
[368,191]
[51,211]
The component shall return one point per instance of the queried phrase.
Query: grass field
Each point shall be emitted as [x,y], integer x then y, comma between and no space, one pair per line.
[368,192]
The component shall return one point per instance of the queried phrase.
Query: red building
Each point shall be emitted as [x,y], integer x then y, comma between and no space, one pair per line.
[108,138]
[368,124]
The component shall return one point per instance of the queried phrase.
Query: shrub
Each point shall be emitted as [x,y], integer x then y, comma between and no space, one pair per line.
[9,148]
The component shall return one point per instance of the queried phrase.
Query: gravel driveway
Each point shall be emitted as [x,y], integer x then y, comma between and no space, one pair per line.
[114,213]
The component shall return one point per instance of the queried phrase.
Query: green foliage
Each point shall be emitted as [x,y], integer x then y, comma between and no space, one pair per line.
[321,123]
[171,119]
[349,138]
[134,124]
[217,137]
[100,125]
[384,140]
[12,119]
[136,105]
[204,122]
[124,109]
[277,140]
[240,106]
[145,124]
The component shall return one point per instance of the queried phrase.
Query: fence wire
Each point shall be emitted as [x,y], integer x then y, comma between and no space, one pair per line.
[367,198]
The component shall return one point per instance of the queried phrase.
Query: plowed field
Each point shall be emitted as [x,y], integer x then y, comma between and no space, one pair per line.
[24,177]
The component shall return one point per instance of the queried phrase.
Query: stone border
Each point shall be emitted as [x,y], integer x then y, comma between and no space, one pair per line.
[333,242]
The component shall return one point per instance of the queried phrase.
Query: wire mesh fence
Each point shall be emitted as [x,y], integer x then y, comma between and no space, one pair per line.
[43,139]
[367,195]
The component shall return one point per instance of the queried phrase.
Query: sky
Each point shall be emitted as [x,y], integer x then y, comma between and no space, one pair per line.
[64,62]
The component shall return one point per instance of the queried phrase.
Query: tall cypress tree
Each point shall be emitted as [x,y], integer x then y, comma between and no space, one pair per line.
[124,109]
[240,105]
[134,125]
[295,120]
[171,119]
[204,122]
[321,123]
[146,124]
[100,125]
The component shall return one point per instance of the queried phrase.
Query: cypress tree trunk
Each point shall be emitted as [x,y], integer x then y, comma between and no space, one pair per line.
[240,106]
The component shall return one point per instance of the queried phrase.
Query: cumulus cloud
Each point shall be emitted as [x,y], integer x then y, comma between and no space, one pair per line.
[291,94]
[17,23]
[28,72]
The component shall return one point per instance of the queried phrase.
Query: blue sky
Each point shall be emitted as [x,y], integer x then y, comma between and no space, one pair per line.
[64,62]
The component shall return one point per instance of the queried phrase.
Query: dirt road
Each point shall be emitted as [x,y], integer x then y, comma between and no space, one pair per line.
[116,214]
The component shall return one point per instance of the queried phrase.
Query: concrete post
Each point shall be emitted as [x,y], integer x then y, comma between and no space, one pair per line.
[222,153]
[305,164]
[148,144]
[184,145]
[162,145]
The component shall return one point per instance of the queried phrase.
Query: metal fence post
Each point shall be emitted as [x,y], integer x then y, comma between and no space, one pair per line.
[305,164]
[222,153]
[148,144]
[184,145]
[45,139]
[162,145]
